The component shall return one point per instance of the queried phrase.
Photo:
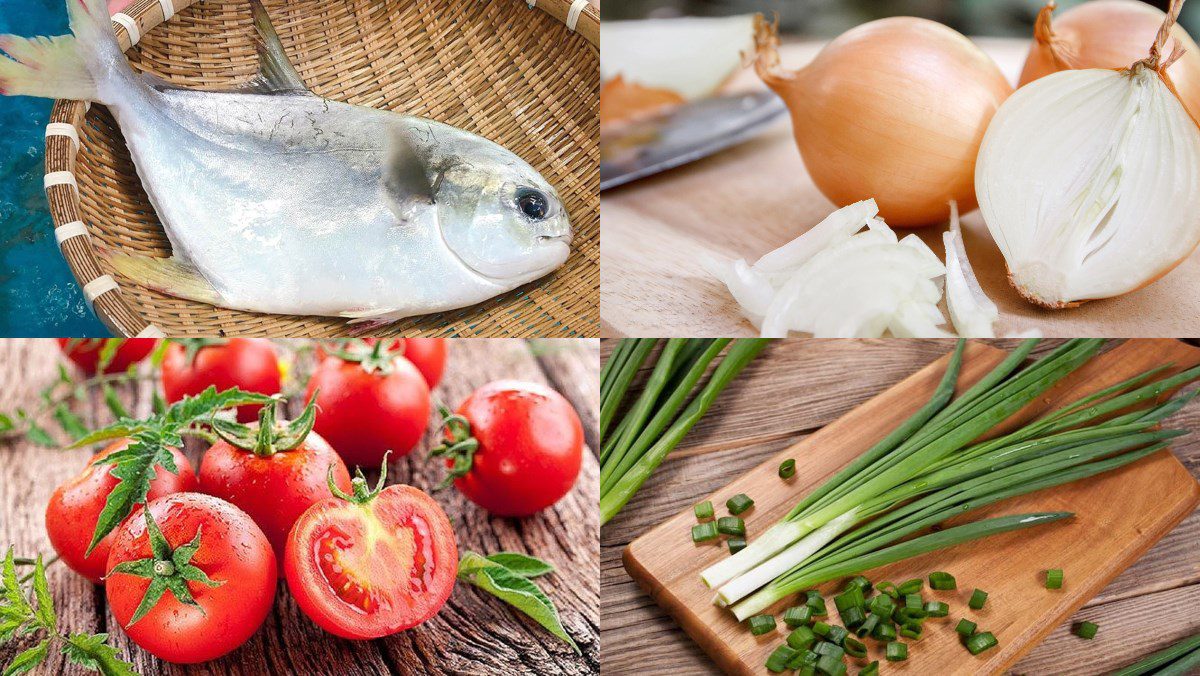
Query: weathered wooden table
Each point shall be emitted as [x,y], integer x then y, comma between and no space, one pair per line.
[473,634]
[794,388]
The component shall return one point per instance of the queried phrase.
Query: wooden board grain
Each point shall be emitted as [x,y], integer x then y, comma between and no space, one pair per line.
[1118,517]
[473,634]
[750,199]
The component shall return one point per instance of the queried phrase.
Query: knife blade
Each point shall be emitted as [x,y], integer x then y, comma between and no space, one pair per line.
[690,132]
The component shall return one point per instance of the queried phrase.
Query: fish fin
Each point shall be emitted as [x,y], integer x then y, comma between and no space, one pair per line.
[276,74]
[366,322]
[407,171]
[166,275]
[57,67]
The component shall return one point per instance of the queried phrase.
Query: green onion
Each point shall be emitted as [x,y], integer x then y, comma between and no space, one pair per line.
[913,601]
[871,669]
[703,532]
[731,525]
[829,648]
[851,598]
[853,616]
[787,469]
[855,648]
[817,604]
[1175,660]
[797,616]
[659,420]
[868,625]
[803,658]
[942,581]
[965,627]
[830,665]
[739,503]
[884,632]
[896,651]
[761,624]
[837,635]
[822,629]
[913,586]
[861,582]
[978,598]
[779,658]
[704,510]
[801,638]
[736,545]
[1054,578]
[912,630]
[980,642]
[882,605]
[888,588]
[937,609]
[1086,630]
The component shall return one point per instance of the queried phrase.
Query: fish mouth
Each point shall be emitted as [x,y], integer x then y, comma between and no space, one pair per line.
[547,247]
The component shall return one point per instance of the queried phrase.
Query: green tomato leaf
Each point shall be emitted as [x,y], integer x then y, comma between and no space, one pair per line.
[124,427]
[70,423]
[9,627]
[6,423]
[93,652]
[516,591]
[107,351]
[15,601]
[26,661]
[521,564]
[113,402]
[134,466]
[36,435]
[41,593]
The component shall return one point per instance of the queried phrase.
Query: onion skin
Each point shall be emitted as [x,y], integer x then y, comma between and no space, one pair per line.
[894,109]
[1109,34]
[623,102]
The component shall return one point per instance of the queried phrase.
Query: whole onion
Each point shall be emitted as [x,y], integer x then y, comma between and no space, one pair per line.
[893,110]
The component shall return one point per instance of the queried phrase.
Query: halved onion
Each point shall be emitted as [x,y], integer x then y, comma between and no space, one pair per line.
[691,56]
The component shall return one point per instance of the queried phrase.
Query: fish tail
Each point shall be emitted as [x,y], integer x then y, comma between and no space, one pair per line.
[65,66]
[165,275]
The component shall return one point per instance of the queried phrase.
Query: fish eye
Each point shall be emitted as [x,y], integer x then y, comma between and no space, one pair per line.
[533,203]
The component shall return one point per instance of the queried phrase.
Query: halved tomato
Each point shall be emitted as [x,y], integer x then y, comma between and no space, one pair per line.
[373,563]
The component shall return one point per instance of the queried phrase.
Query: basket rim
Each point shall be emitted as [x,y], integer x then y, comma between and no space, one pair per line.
[100,290]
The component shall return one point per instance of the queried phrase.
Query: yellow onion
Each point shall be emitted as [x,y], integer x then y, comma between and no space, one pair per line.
[893,110]
[1109,34]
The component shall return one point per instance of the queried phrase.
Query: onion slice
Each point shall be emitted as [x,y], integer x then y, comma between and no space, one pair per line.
[971,311]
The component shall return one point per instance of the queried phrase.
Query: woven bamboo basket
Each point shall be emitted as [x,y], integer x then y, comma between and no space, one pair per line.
[523,75]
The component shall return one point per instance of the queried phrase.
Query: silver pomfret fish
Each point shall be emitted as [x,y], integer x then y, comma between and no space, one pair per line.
[277,200]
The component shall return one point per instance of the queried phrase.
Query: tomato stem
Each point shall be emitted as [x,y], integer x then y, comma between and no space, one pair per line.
[460,447]
[269,438]
[359,493]
[379,357]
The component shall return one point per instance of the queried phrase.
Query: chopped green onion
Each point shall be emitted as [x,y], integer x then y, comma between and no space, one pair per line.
[787,469]
[905,614]
[1086,630]
[731,525]
[886,631]
[937,609]
[797,616]
[871,669]
[882,605]
[888,588]
[853,617]
[912,630]
[739,503]
[980,642]
[822,629]
[913,601]
[913,586]
[896,651]
[704,532]
[837,635]
[778,660]
[855,648]
[965,627]
[803,658]
[942,581]
[827,648]
[861,582]
[816,603]
[736,545]
[978,598]
[704,510]
[851,598]
[830,665]
[761,624]
[868,625]
[1054,578]
[801,638]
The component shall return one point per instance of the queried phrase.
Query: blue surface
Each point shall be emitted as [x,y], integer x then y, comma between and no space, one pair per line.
[38,294]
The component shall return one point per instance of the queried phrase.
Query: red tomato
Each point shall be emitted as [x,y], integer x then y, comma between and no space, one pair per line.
[86,353]
[273,487]
[247,363]
[75,508]
[233,553]
[364,414]
[427,354]
[373,565]
[530,447]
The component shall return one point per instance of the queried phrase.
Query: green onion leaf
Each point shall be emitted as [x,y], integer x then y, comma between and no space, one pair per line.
[779,658]
[1086,630]
[731,525]
[761,624]
[965,627]
[801,638]
[787,469]
[704,510]
[937,609]
[942,581]
[797,616]
[736,545]
[980,642]
[1054,578]
[739,503]
[703,532]
[896,652]
[978,598]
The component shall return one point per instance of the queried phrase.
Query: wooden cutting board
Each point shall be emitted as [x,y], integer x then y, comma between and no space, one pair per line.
[750,199]
[1119,515]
